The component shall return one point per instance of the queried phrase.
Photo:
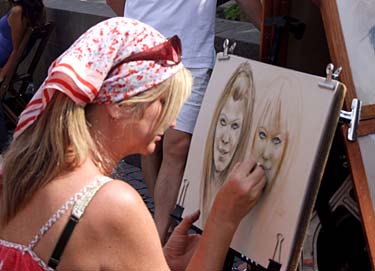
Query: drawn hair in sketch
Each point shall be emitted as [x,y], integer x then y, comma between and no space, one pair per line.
[371,37]
[371,34]
[277,127]
[228,134]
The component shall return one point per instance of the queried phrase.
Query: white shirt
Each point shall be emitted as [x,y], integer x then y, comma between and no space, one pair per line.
[192,20]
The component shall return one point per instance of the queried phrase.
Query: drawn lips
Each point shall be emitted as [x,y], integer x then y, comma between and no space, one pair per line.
[264,167]
[223,152]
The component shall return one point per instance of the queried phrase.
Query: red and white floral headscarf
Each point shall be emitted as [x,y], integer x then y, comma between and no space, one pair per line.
[115,59]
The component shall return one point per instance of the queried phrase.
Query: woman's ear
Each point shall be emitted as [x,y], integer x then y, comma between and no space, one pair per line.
[116,111]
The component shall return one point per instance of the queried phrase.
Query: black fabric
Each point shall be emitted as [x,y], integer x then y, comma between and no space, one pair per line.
[63,241]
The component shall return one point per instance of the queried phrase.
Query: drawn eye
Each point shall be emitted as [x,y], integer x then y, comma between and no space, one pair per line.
[276,140]
[262,135]
[235,126]
[223,122]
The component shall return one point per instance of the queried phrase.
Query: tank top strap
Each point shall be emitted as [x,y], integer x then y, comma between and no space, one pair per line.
[77,212]
[81,204]
[97,183]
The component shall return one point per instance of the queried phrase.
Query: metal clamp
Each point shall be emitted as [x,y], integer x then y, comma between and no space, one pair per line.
[352,119]
[227,50]
[278,247]
[331,76]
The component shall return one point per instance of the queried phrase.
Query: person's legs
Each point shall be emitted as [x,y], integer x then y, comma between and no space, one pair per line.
[150,165]
[175,149]
[176,145]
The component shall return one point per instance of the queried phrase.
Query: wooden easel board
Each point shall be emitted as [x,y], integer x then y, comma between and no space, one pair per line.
[350,31]
[307,116]
[273,44]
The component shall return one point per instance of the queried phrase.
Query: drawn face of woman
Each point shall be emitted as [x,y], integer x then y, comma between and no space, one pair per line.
[227,133]
[269,146]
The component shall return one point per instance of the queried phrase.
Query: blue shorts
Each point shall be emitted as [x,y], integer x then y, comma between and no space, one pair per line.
[189,113]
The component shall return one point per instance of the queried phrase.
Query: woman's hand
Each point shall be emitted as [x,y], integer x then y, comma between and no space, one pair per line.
[236,197]
[240,192]
[181,245]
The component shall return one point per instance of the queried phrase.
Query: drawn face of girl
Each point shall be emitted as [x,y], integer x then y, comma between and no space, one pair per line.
[227,133]
[269,146]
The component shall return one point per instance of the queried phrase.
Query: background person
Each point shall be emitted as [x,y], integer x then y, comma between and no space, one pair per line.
[194,23]
[228,135]
[13,25]
[112,93]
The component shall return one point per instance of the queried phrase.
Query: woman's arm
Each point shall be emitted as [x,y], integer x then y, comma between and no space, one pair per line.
[18,28]
[181,244]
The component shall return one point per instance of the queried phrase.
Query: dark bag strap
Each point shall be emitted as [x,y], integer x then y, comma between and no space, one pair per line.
[78,210]
[63,241]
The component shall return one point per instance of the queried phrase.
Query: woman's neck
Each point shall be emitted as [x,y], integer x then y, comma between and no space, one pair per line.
[87,170]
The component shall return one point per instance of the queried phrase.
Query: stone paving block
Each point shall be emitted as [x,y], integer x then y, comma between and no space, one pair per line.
[133,176]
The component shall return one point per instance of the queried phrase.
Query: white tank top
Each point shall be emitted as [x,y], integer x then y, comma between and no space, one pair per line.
[192,20]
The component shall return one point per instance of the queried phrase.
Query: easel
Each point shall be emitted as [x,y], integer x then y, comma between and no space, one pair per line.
[307,205]
[301,227]
[339,56]
[229,264]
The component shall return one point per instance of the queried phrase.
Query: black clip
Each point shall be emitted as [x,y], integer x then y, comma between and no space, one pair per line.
[294,25]
[282,24]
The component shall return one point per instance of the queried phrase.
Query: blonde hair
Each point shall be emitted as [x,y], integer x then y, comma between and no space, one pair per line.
[173,102]
[240,87]
[282,105]
[60,140]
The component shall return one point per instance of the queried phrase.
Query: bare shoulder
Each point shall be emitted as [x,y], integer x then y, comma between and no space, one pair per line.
[15,17]
[115,199]
[119,211]
[116,208]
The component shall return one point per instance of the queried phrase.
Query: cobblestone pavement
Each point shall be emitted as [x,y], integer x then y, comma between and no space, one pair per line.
[132,174]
